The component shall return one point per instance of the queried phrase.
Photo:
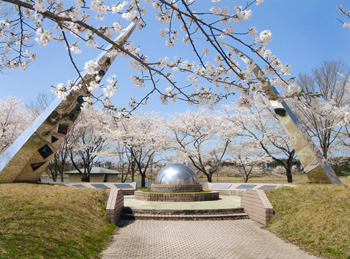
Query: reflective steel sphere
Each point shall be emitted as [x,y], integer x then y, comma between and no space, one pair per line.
[176,174]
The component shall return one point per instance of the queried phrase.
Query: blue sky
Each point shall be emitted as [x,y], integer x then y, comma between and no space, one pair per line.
[304,33]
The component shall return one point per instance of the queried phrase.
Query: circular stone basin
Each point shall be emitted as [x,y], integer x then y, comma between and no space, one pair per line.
[176,197]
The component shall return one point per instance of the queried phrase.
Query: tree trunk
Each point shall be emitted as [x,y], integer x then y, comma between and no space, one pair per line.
[289,175]
[245,178]
[209,178]
[133,171]
[143,180]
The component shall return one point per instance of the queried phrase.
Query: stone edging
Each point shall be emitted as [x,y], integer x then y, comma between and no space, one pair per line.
[176,188]
[176,197]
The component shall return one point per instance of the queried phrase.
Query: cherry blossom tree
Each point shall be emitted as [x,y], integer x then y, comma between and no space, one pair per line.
[86,23]
[260,125]
[249,158]
[323,116]
[346,14]
[13,120]
[200,138]
[87,140]
[143,136]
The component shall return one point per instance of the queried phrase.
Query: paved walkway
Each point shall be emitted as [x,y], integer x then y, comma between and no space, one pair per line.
[198,240]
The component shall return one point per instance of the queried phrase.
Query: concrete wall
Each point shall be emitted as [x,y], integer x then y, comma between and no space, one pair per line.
[115,205]
[112,178]
[93,178]
[257,206]
[74,178]
[97,178]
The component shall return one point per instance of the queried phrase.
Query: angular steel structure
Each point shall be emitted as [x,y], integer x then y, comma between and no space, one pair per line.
[26,159]
[317,167]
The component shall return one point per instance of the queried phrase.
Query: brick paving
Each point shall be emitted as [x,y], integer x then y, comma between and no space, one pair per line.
[198,240]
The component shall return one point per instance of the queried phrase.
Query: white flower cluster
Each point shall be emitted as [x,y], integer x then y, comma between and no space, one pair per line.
[252,31]
[164,17]
[169,94]
[91,67]
[74,47]
[45,36]
[241,14]
[98,7]
[61,91]
[245,100]
[193,80]
[130,15]
[265,37]
[39,6]
[93,85]
[227,31]
[173,38]
[293,89]
[168,90]
[137,81]
[111,89]
[117,8]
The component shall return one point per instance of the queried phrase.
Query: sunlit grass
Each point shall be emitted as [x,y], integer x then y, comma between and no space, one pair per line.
[43,221]
[313,216]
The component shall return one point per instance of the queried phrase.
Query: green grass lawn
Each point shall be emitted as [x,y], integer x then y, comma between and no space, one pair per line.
[316,217]
[43,221]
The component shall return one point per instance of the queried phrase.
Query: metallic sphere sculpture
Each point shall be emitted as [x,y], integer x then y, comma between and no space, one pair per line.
[176,183]
[176,174]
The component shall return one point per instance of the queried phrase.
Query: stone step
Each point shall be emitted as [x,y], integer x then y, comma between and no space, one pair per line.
[204,214]
[136,216]
[129,210]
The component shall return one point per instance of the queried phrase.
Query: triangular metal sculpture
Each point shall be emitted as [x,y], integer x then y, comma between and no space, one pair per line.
[27,158]
[317,167]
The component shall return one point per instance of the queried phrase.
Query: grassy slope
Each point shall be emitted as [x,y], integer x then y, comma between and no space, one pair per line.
[315,217]
[43,221]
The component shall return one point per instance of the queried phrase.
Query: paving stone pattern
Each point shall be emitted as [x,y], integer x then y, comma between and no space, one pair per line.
[198,240]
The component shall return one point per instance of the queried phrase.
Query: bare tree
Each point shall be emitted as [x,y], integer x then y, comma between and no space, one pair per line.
[319,115]
[42,100]
[57,165]
[126,164]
